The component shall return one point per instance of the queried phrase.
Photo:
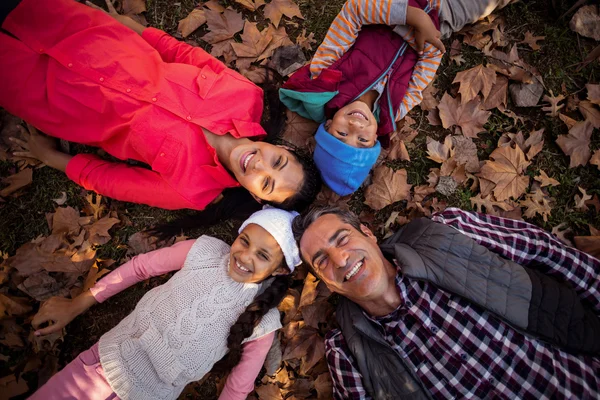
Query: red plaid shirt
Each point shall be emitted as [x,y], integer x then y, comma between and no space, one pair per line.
[459,350]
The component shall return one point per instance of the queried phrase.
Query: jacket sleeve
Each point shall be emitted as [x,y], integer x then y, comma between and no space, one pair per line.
[528,245]
[240,381]
[347,24]
[172,50]
[125,183]
[140,268]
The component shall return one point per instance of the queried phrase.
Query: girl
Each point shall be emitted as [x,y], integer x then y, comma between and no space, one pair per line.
[78,74]
[179,330]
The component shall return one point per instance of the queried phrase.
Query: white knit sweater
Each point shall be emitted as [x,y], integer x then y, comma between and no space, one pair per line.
[179,330]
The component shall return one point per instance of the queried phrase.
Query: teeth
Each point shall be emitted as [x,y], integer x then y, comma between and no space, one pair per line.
[357,114]
[354,270]
[241,267]
[247,161]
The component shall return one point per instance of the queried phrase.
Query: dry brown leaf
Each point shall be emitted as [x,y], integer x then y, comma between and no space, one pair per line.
[99,230]
[511,65]
[588,244]
[595,160]
[534,143]
[277,8]
[553,108]
[324,387]
[590,113]
[593,93]
[577,143]
[280,38]
[10,306]
[141,242]
[66,219]
[545,180]
[16,181]
[497,96]
[480,202]
[132,7]
[253,43]
[304,41]
[195,19]
[475,80]
[93,276]
[269,391]
[42,286]
[532,40]
[429,101]
[581,200]
[317,312]
[439,152]
[251,5]
[506,168]
[586,21]
[11,387]
[464,152]
[470,117]
[570,122]
[222,26]
[309,291]
[300,131]
[536,203]
[560,231]
[388,187]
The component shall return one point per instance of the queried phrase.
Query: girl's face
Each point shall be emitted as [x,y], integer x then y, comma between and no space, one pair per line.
[354,125]
[255,255]
[269,172]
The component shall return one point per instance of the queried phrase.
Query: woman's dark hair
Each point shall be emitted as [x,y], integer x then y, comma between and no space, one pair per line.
[250,318]
[238,203]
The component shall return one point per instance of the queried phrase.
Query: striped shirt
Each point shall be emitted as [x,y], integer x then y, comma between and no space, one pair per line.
[458,349]
[345,28]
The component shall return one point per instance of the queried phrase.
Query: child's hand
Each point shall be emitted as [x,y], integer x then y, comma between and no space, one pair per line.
[425,30]
[60,311]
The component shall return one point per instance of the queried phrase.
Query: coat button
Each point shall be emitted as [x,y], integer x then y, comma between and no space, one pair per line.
[128,90]
[463,356]
[434,330]
[154,99]
[188,118]
[41,50]
[70,65]
[203,76]
[101,79]
[162,154]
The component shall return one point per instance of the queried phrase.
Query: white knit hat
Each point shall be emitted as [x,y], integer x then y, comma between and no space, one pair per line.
[279,224]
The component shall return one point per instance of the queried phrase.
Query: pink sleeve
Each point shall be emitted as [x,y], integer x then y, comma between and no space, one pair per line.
[125,183]
[140,268]
[240,381]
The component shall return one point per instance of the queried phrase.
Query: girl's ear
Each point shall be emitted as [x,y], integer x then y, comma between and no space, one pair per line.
[281,270]
[328,124]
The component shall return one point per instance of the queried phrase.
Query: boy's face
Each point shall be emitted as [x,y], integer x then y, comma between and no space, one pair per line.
[354,125]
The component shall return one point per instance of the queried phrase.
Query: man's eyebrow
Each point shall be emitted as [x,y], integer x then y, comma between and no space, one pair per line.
[332,239]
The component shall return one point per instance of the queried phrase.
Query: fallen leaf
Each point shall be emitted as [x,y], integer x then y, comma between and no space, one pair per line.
[251,5]
[94,207]
[470,117]
[595,160]
[309,291]
[464,152]
[388,187]
[42,286]
[398,151]
[299,131]
[289,305]
[269,391]
[475,80]
[194,20]
[588,244]
[324,387]
[545,180]
[497,96]
[576,144]
[590,113]
[132,7]
[570,122]
[11,387]
[536,203]
[99,230]
[214,5]
[593,93]
[222,26]
[534,143]
[318,312]
[560,231]
[253,43]
[66,219]
[586,22]
[10,306]
[553,108]
[439,152]
[580,200]
[141,242]
[532,40]
[526,94]
[280,38]
[304,41]
[480,202]
[277,8]
[429,101]
[595,202]
[16,181]
[93,276]
[506,168]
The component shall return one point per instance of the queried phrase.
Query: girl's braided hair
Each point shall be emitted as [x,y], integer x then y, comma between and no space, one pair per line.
[250,318]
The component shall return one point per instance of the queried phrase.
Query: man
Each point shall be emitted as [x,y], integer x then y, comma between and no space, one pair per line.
[464,305]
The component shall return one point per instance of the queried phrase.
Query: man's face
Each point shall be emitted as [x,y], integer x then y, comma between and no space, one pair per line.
[346,259]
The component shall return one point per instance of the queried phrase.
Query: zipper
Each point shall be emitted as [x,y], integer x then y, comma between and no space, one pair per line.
[398,54]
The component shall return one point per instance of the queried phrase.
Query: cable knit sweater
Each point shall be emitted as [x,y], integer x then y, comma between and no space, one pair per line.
[179,330]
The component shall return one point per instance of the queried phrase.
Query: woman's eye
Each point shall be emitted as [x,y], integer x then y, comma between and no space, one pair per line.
[265,185]
[278,162]
[343,134]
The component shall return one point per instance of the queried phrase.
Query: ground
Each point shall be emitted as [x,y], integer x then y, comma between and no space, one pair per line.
[22,218]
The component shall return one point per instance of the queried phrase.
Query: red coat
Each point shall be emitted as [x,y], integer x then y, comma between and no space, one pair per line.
[78,74]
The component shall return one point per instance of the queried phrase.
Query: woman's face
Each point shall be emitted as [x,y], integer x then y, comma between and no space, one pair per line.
[269,172]
[255,255]
[354,125]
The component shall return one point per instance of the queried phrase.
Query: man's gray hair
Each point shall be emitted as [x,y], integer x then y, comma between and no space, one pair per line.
[302,222]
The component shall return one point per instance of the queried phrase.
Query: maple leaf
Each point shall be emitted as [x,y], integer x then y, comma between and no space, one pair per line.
[141,242]
[480,202]
[277,8]
[576,144]
[251,5]
[545,180]
[388,187]
[289,305]
[309,291]
[253,43]
[99,230]
[132,7]
[590,113]
[593,93]
[10,305]
[398,151]
[511,65]
[222,26]
[536,203]
[470,117]
[429,101]
[93,275]
[507,172]
[464,151]
[588,244]
[300,131]
[475,80]
[16,181]
[498,95]
[570,122]
[324,386]
[66,219]
[560,231]
[595,160]
[581,200]
[553,108]
[532,40]
[269,391]
[195,19]
[304,41]
[280,38]
[11,386]
[439,152]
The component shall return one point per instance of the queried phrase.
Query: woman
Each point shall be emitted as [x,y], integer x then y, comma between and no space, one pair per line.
[78,74]
[181,329]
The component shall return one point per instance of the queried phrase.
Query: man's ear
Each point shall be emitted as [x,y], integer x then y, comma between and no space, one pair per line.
[328,124]
[368,232]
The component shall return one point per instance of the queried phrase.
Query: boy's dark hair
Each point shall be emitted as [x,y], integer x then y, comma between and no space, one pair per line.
[250,318]
[302,222]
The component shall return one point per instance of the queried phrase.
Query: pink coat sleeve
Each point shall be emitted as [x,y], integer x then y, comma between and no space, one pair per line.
[172,50]
[140,268]
[126,183]
[240,381]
